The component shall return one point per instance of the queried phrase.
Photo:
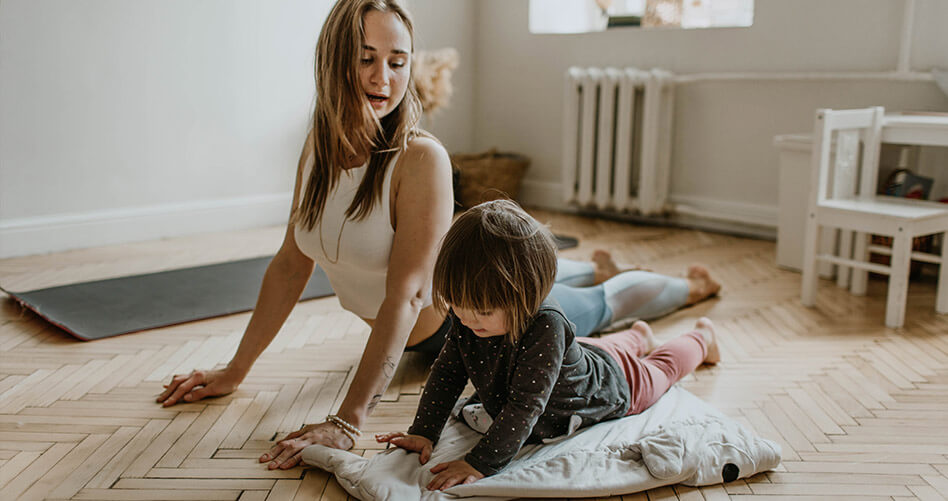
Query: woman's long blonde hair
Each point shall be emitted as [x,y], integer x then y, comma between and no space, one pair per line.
[344,124]
[496,257]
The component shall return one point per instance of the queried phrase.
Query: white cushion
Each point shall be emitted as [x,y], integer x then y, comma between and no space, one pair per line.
[680,439]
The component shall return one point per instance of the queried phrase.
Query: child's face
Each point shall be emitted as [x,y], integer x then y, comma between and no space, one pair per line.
[484,323]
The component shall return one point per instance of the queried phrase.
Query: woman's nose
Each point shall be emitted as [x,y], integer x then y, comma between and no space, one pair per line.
[380,75]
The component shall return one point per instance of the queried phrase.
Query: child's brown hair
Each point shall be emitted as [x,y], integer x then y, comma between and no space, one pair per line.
[496,257]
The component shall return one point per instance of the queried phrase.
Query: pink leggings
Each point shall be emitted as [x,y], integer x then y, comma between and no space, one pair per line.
[651,376]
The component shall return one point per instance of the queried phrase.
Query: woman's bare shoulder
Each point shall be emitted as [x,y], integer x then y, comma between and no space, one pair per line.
[426,157]
[426,149]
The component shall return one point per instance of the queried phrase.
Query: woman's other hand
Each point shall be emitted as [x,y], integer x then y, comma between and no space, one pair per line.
[287,452]
[197,385]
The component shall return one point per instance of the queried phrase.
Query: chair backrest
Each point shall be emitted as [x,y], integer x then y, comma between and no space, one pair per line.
[847,176]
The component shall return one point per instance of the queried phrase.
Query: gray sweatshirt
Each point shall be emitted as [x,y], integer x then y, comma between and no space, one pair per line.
[530,389]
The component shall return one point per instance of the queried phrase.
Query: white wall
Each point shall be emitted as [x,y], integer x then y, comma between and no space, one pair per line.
[126,121]
[451,23]
[724,162]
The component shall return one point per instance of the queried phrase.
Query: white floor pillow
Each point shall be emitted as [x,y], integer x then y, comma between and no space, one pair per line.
[680,439]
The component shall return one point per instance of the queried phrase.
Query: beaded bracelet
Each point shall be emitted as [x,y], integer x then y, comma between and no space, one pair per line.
[349,430]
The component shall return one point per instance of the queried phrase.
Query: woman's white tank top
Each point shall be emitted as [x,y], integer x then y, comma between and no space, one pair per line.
[353,253]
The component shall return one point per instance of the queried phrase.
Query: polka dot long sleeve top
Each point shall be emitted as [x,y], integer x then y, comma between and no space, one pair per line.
[531,389]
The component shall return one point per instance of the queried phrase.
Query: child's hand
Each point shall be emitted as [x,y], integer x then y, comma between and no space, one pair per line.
[453,473]
[413,443]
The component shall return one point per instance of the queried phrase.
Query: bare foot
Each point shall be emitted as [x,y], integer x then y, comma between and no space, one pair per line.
[706,329]
[646,332]
[700,284]
[604,267]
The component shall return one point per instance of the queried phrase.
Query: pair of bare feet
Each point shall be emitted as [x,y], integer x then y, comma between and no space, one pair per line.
[700,284]
[703,326]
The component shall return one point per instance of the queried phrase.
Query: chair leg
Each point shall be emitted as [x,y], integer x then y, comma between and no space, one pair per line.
[941,303]
[810,244]
[828,239]
[860,276]
[845,252]
[898,280]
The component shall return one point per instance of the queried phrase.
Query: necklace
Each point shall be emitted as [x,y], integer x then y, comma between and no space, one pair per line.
[338,241]
[322,246]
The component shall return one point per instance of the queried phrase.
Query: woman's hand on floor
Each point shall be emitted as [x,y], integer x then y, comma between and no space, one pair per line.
[453,473]
[197,385]
[287,452]
[413,443]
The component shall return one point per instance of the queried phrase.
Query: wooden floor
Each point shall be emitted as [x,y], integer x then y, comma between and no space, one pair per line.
[861,411]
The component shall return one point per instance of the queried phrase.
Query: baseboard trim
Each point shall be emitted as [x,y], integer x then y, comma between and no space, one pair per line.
[59,232]
[543,195]
[736,212]
[753,220]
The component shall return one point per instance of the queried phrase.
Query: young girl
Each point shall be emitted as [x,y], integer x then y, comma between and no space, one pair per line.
[495,270]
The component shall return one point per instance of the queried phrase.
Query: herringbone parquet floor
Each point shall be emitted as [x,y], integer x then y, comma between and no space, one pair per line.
[860,410]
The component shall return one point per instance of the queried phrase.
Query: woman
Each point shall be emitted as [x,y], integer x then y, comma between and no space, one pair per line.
[373,198]
[376,240]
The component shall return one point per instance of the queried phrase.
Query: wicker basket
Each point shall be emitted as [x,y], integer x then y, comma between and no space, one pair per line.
[488,176]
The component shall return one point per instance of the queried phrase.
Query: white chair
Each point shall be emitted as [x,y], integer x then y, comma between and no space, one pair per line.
[844,197]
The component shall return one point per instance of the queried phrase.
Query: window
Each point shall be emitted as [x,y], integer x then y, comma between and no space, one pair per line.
[584,16]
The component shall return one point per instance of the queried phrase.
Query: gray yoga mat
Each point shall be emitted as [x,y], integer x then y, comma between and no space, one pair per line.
[105,308]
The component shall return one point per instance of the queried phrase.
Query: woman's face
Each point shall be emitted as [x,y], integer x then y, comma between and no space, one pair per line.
[386,61]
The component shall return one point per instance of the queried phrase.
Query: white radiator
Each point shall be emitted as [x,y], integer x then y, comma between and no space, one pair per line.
[617,139]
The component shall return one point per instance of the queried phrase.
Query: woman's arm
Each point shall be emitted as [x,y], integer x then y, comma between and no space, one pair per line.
[423,209]
[283,284]
[422,215]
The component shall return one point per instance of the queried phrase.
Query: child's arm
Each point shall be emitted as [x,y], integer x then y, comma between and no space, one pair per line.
[445,384]
[538,366]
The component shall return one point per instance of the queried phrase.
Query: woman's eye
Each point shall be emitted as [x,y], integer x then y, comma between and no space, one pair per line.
[398,65]
[366,60]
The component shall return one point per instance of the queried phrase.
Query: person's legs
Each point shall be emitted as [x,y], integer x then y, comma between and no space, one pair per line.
[585,307]
[630,294]
[651,376]
[644,295]
[575,273]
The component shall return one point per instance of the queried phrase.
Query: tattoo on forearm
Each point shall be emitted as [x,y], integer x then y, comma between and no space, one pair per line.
[388,367]
[375,401]
[388,370]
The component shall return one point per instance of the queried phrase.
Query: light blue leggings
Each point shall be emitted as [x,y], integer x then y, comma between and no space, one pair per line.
[639,294]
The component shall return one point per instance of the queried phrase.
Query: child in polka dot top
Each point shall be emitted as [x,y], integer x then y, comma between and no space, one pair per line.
[533,376]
